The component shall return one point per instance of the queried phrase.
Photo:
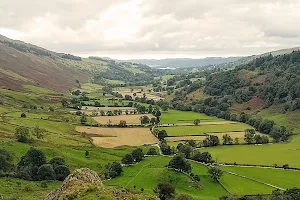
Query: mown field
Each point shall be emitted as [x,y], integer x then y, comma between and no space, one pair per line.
[176,116]
[152,170]
[204,129]
[277,177]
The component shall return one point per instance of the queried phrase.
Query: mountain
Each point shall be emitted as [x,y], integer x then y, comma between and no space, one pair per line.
[184,62]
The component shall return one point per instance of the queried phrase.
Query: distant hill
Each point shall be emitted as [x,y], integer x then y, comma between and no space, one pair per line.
[184,62]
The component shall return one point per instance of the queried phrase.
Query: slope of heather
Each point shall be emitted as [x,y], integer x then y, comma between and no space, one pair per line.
[18,68]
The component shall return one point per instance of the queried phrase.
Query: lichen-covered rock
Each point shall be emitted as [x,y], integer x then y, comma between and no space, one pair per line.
[79,179]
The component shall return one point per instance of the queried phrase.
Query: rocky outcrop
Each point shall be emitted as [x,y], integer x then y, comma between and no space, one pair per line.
[79,179]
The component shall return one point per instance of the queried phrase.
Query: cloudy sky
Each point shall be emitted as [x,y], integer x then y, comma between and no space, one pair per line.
[153,28]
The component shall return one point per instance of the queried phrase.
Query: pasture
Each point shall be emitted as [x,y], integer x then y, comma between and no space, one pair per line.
[177,117]
[93,108]
[118,137]
[241,186]
[269,154]
[130,119]
[152,170]
[205,129]
[277,177]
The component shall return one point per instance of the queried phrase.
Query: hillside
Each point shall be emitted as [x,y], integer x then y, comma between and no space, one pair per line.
[184,62]
[26,64]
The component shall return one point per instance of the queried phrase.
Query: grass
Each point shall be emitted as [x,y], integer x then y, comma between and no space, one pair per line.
[280,153]
[114,82]
[175,116]
[278,177]
[26,190]
[243,186]
[148,173]
[90,87]
[203,129]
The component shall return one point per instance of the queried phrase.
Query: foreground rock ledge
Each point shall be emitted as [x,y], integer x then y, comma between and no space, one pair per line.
[78,179]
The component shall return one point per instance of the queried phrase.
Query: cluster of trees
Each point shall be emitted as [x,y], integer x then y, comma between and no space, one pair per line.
[34,166]
[136,155]
[252,138]
[113,170]
[24,134]
[71,57]
[27,48]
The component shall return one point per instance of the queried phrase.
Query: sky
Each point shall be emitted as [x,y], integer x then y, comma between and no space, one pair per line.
[132,29]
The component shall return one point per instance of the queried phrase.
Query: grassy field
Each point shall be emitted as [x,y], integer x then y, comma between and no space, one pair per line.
[242,186]
[280,154]
[175,116]
[25,190]
[204,129]
[277,177]
[152,170]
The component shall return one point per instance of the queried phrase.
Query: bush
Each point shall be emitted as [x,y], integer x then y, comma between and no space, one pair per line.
[61,172]
[152,151]
[127,159]
[22,134]
[23,115]
[46,172]
[43,184]
[56,161]
[6,161]
[184,197]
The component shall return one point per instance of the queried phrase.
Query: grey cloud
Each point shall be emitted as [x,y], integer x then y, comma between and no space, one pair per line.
[215,27]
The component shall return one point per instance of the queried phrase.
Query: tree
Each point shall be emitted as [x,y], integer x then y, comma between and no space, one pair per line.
[83,119]
[197,122]
[152,151]
[137,155]
[144,119]
[164,108]
[6,161]
[202,157]
[227,140]
[186,150]
[64,103]
[23,115]
[122,123]
[211,140]
[180,163]
[113,170]
[150,109]
[87,154]
[29,164]
[153,121]
[61,172]
[215,173]
[165,190]
[249,136]
[236,140]
[127,159]
[38,132]
[22,134]
[46,172]
[97,104]
[56,161]
[162,134]
[165,149]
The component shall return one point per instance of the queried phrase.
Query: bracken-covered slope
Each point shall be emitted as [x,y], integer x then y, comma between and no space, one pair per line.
[23,64]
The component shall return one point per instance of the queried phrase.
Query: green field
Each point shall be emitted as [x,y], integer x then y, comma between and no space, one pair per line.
[203,129]
[25,190]
[151,170]
[269,154]
[277,177]
[176,116]
[242,186]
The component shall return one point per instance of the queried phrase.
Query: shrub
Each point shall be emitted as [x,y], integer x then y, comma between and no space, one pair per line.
[22,134]
[152,151]
[6,161]
[61,172]
[46,172]
[56,161]
[23,115]
[43,184]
